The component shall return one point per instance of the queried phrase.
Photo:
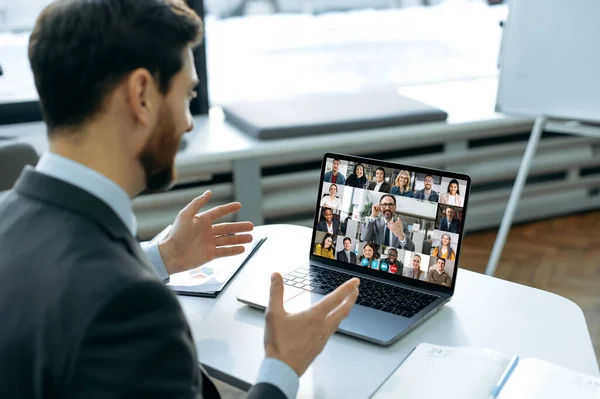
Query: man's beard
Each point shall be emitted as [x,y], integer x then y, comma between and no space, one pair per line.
[387,215]
[158,156]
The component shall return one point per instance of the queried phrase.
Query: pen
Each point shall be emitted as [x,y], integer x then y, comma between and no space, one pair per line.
[505,377]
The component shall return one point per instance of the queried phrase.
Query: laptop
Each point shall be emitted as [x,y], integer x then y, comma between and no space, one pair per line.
[399,228]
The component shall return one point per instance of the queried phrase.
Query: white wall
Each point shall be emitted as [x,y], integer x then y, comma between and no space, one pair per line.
[414,207]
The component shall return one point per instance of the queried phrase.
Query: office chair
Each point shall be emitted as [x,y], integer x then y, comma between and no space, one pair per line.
[13,158]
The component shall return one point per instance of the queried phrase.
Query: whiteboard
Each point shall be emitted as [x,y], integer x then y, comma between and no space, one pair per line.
[550,60]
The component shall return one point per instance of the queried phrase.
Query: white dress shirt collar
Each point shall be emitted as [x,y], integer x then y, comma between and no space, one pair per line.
[89,180]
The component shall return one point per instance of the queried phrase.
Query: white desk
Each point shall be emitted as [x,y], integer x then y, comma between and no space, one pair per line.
[485,312]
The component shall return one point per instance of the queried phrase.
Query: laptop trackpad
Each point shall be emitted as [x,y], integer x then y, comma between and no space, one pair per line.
[302,302]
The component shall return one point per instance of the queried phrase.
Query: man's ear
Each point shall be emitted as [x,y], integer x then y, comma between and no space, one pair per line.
[142,97]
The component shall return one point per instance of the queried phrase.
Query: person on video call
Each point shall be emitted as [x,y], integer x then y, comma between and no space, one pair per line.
[383,230]
[325,248]
[85,311]
[414,271]
[427,194]
[333,176]
[357,178]
[401,186]
[328,223]
[449,222]
[379,185]
[452,197]
[392,259]
[444,250]
[346,255]
[331,200]
[369,253]
[438,275]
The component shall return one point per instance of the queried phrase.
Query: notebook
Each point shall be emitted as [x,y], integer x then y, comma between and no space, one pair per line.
[433,372]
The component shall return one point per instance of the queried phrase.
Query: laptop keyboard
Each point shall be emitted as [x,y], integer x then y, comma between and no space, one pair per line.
[373,294]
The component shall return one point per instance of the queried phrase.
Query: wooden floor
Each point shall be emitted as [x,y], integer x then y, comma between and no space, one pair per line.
[558,255]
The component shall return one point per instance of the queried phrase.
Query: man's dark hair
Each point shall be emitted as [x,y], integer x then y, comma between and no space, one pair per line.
[426,176]
[347,239]
[381,169]
[80,50]
[392,249]
[387,195]
[443,260]
[335,159]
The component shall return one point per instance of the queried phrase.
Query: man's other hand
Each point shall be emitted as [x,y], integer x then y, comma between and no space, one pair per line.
[297,339]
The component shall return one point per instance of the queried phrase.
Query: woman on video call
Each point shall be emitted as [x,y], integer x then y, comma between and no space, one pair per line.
[452,197]
[369,253]
[331,200]
[402,185]
[445,249]
[357,179]
[325,248]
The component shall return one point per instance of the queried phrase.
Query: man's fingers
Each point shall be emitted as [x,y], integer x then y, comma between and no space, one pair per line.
[232,228]
[336,316]
[276,295]
[194,207]
[229,251]
[223,210]
[333,300]
[233,240]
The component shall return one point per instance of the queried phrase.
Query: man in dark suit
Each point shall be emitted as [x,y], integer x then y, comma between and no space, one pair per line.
[84,314]
[379,184]
[328,223]
[449,222]
[383,230]
[346,255]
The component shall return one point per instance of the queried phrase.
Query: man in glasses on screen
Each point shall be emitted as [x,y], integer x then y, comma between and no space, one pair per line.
[384,227]
[428,194]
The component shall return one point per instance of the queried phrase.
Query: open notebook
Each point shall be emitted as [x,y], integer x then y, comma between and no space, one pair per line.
[433,372]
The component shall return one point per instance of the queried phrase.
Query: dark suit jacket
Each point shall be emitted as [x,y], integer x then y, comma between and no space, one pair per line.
[83,314]
[322,225]
[375,233]
[385,187]
[451,227]
[341,256]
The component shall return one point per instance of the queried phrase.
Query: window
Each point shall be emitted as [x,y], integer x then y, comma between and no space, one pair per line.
[18,96]
[269,49]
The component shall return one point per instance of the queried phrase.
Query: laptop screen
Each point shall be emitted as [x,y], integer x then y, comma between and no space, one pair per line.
[391,219]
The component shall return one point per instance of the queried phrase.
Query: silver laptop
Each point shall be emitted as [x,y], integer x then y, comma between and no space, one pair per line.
[399,228]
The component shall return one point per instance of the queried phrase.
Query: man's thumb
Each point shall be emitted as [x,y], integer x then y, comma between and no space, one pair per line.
[276,296]
[197,203]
